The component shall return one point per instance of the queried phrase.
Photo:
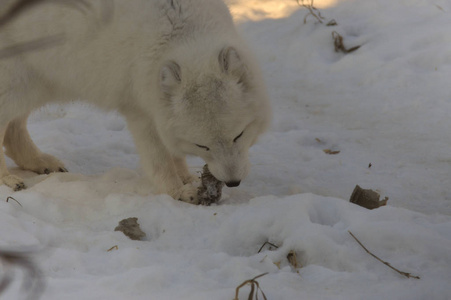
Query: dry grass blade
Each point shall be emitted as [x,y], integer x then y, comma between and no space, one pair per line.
[408,275]
[255,288]
[33,282]
[439,7]
[11,198]
[293,259]
[115,247]
[338,44]
[312,10]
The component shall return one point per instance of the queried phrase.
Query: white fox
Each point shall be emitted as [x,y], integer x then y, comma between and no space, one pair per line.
[176,69]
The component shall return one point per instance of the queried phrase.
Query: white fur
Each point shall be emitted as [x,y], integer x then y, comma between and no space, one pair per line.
[176,69]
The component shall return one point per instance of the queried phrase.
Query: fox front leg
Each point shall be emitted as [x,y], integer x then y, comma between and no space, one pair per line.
[158,163]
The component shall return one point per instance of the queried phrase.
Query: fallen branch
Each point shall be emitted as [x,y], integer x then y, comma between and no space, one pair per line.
[408,275]
[255,288]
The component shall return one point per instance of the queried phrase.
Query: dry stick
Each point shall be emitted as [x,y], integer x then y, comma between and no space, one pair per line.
[254,284]
[408,275]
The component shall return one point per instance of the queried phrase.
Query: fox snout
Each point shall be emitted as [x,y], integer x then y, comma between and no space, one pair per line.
[231,174]
[233,183]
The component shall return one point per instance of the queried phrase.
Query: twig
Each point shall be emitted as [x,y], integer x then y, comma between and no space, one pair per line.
[7,200]
[254,284]
[267,243]
[312,11]
[338,39]
[408,275]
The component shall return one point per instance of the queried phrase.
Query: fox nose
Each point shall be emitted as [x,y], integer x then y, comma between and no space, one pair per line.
[233,183]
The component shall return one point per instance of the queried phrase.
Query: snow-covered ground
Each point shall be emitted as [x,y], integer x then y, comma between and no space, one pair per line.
[386,104]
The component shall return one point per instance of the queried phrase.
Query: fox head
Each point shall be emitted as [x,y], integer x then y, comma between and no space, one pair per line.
[217,108]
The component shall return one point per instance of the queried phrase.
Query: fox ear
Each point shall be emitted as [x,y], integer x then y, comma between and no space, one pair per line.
[231,63]
[170,76]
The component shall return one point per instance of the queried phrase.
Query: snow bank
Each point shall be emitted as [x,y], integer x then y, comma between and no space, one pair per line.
[204,252]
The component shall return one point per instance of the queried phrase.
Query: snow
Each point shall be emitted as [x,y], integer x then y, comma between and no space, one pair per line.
[386,104]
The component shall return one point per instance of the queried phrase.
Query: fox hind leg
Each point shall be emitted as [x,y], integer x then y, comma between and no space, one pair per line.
[14,182]
[20,147]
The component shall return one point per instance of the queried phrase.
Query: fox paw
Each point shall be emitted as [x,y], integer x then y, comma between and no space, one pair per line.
[189,194]
[14,182]
[45,164]
[191,179]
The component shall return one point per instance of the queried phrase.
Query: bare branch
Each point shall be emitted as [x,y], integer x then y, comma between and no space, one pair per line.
[408,275]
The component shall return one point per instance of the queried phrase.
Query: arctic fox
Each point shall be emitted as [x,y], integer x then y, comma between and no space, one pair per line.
[176,69]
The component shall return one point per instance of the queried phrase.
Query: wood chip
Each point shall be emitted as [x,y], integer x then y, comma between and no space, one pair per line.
[367,198]
[130,228]
[331,152]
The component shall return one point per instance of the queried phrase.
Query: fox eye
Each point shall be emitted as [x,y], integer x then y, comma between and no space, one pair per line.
[235,139]
[203,147]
